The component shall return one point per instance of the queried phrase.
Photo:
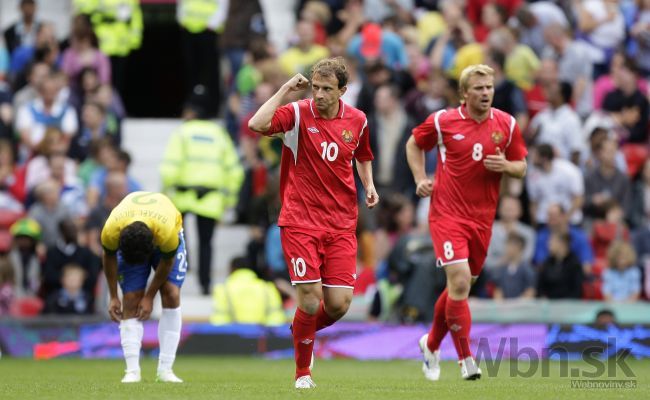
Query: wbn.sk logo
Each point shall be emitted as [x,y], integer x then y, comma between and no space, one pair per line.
[525,362]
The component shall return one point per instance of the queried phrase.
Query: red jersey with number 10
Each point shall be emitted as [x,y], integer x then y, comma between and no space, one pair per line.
[316,178]
[464,189]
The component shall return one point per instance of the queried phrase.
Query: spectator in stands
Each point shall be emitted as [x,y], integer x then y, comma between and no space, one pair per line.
[508,223]
[602,26]
[558,125]
[299,58]
[606,83]
[116,189]
[244,24]
[114,110]
[375,44]
[531,19]
[629,102]
[508,97]
[521,63]
[245,299]
[608,230]
[560,276]
[274,258]
[428,97]
[604,318]
[597,136]
[391,127]
[574,65]
[395,218]
[639,211]
[514,278]
[118,161]
[622,278]
[38,168]
[7,286]
[45,49]
[553,180]
[24,256]
[83,53]
[93,128]
[640,37]
[49,211]
[23,32]
[71,298]
[6,107]
[68,251]
[44,112]
[37,72]
[558,223]
[445,46]
[606,183]
[12,180]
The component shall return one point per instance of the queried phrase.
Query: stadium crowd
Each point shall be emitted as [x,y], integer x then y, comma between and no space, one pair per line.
[574,73]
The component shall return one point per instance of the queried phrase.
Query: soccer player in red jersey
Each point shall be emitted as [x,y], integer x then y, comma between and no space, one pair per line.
[477,144]
[318,218]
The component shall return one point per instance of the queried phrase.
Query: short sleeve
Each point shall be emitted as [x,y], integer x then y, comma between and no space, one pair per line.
[516,148]
[283,120]
[110,238]
[425,134]
[363,151]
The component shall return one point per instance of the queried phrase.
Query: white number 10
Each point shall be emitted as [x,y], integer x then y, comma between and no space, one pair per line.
[330,150]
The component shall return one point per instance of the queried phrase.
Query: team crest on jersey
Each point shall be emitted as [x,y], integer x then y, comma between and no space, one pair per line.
[497,137]
[347,136]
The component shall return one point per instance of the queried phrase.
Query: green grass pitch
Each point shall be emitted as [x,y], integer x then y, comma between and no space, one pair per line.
[255,378]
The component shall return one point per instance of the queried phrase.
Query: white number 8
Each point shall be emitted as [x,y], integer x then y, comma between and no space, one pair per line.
[299,266]
[477,154]
[449,250]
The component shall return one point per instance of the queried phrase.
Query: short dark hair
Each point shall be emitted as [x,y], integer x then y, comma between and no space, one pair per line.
[545,151]
[136,243]
[516,238]
[334,67]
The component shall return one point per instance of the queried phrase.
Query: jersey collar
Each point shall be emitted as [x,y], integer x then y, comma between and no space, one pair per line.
[463,107]
[314,110]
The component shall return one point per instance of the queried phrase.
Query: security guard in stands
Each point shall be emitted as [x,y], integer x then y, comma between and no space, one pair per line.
[246,299]
[118,26]
[202,174]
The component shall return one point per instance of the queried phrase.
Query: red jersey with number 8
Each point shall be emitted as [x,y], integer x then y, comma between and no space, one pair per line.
[317,185]
[464,189]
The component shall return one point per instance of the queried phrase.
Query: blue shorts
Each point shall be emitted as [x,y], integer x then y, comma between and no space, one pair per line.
[134,277]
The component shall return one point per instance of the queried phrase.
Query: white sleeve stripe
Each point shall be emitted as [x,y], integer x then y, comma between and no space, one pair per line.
[290,138]
[513,122]
[441,145]
[365,123]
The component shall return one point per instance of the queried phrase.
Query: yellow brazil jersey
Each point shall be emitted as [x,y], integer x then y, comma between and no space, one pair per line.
[155,210]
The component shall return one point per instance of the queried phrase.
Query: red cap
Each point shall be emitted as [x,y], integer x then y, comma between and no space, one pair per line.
[371,40]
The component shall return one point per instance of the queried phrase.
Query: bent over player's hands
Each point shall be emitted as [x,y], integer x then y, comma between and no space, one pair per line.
[297,83]
[144,308]
[496,162]
[372,198]
[115,309]
[424,188]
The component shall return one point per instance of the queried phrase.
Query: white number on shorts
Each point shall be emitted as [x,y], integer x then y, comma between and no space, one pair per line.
[477,154]
[299,266]
[330,150]
[449,250]
[182,262]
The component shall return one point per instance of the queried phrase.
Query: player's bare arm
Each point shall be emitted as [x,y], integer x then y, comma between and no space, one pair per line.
[160,276]
[498,163]
[109,262]
[415,158]
[261,121]
[364,168]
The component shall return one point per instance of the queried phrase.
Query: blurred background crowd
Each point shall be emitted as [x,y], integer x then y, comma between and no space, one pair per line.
[574,73]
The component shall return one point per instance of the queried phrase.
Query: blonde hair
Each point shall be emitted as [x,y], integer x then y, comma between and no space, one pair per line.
[470,71]
[621,251]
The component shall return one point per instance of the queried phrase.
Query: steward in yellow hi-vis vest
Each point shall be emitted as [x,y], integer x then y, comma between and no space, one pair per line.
[202,175]
[118,24]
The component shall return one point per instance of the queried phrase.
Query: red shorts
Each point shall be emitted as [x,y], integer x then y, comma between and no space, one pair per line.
[455,242]
[314,256]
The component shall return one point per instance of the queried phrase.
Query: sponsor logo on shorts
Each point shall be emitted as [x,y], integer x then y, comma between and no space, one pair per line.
[306,341]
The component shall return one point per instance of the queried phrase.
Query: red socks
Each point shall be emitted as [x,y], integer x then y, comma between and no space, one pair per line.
[323,320]
[304,332]
[439,327]
[459,321]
